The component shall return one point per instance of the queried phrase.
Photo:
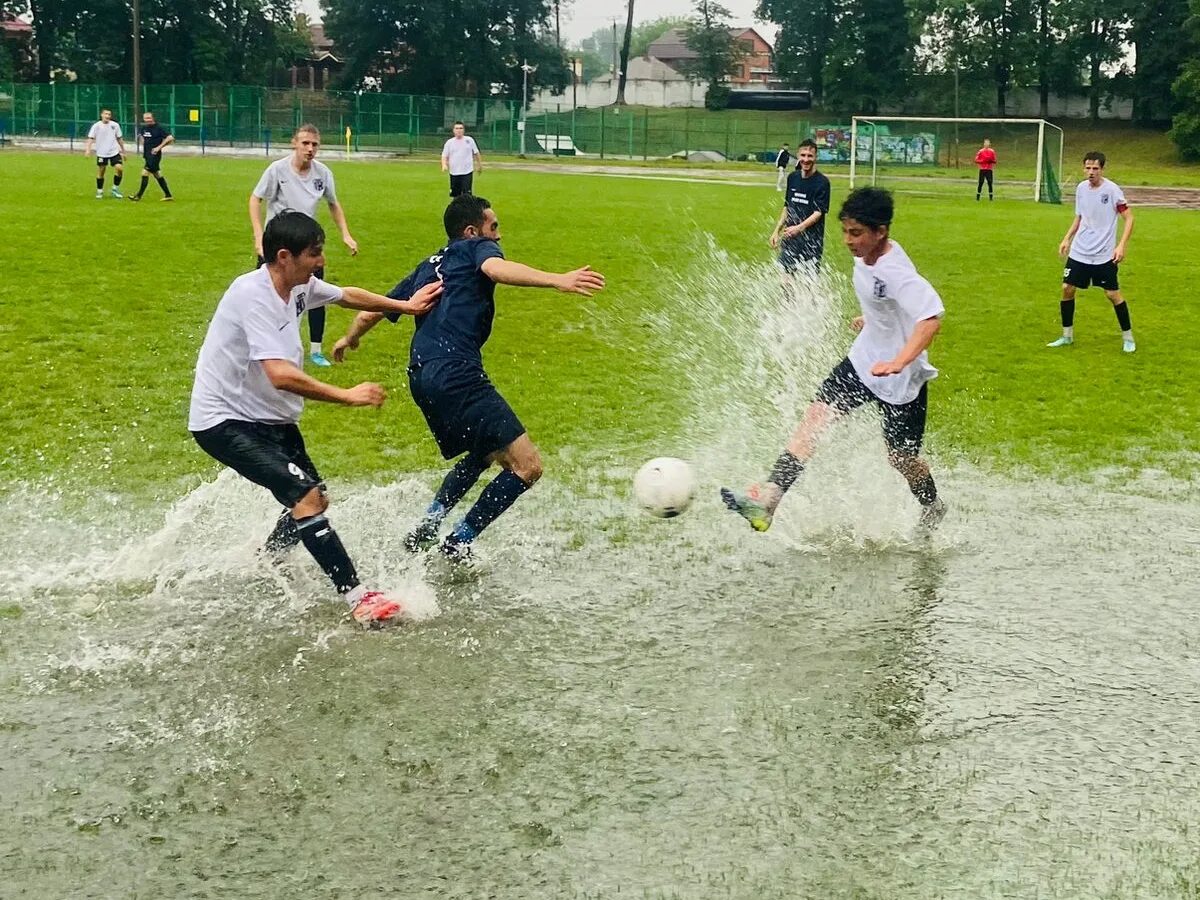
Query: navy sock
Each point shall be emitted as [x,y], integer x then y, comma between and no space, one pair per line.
[1122,311]
[326,548]
[1067,308]
[787,469]
[142,186]
[162,183]
[316,324]
[924,490]
[455,485]
[495,499]
[285,534]
[100,184]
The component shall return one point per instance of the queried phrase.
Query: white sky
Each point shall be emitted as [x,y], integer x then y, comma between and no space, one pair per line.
[581,17]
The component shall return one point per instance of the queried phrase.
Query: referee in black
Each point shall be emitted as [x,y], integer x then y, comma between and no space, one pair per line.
[154,138]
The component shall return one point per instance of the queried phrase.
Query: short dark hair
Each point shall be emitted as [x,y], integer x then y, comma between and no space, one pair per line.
[458,122]
[1097,156]
[292,231]
[464,210]
[870,205]
[807,142]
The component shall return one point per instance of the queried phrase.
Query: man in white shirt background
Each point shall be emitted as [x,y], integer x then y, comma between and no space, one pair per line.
[460,157]
[105,135]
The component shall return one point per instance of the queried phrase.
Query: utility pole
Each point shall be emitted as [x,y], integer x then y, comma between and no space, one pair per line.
[526,68]
[137,67]
[614,67]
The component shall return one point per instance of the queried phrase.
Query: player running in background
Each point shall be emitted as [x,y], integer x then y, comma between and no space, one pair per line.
[800,232]
[154,139]
[105,135]
[250,388]
[887,366]
[299,182]
[1092,250]
[986,160]
[465,412]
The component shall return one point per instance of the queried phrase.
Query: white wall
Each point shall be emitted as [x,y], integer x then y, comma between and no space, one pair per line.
[640,92]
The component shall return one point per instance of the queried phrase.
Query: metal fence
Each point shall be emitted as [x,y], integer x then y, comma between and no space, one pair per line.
[401,123]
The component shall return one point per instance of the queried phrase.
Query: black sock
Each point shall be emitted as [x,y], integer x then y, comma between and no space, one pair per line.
[1122,311]
[459,480]
[117,180]
[142,186]
[285,534]
[316,324]
[787,470]
[326,548]
[924,490]
[495,499]
[162,183]
[1067,309]
[100,184]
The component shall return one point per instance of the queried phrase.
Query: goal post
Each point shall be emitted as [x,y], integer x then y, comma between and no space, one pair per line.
[899,144]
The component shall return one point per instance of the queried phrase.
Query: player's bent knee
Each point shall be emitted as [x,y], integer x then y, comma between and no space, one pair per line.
[311,504]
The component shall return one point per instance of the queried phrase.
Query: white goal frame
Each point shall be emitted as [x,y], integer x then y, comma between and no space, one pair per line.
[1042,124]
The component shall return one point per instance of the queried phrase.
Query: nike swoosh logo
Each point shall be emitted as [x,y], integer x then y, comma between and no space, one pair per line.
[281,327]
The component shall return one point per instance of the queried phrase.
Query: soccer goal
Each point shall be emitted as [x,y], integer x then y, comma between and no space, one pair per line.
[937,155]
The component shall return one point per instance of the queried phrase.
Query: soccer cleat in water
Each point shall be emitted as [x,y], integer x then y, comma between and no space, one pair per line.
[457,552]
[1129,347]
[422,537]
[376,609]
[749,506]
[1063,341]
[932,515]
[318,359]
[116,192]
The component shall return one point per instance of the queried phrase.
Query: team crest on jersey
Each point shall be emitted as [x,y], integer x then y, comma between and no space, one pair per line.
[1104,199]
[880,290]
[300,303]
[319,184]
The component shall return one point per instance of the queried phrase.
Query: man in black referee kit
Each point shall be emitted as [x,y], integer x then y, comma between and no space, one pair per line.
[250,388]
[464,411]
[154,138]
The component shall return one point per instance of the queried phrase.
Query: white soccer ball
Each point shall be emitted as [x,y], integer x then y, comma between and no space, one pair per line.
[664,487]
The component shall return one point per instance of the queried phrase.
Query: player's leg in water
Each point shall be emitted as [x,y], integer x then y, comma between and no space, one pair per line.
[522,465]
[454,487]
[904,432]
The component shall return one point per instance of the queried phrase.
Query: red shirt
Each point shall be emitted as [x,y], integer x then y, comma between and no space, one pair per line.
[985,158]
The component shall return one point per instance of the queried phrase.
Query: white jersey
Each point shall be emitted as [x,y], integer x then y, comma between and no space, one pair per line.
[894,298]
[285,188]
[459,154]
[252,323]
[105,134]
[1098,209]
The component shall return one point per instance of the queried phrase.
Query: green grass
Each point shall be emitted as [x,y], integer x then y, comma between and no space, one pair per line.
[106,304]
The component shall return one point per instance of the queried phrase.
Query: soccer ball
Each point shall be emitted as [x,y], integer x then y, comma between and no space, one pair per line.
[664,487]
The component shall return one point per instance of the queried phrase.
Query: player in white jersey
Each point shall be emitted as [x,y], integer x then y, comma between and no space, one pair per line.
[1092,250]
[460,157]
[887,365]
[299,182]
[105,136]
[250,388]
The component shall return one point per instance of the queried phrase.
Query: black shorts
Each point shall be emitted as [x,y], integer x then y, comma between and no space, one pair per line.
[462,407]
[461,184]
[1082,275]
[903,424]
[152,163]
[269,455]
[799,251]
[114,160]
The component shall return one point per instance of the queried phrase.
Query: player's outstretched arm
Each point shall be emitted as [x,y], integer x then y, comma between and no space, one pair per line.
[362,323]
[922,336]
[285,376]
[420,302]
[579,281]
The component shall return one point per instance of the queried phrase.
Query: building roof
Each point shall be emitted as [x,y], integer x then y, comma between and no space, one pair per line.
[645,68]
[10,25]
[673,43]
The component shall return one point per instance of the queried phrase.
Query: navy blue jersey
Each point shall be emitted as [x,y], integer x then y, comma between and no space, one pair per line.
[803,197]
[461,323]
[152,136]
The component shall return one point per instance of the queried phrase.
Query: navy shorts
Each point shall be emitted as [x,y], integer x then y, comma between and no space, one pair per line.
[462,407]
[114,160]
[152,162]
[272,456]
[903,424]
[1083,275]
[800,252]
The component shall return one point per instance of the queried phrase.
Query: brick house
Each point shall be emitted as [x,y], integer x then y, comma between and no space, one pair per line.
[754,69]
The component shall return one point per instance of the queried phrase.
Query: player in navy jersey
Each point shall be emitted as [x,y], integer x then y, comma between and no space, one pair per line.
[464,411]
[800,232]
[154,139]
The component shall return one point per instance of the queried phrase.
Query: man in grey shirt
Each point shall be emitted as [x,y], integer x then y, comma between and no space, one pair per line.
[299,182]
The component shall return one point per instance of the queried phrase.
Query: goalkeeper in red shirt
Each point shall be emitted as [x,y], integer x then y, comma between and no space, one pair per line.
[985,159]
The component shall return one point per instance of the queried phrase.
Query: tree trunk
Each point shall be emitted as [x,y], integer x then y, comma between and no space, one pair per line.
[1044,49]
[625,56]
[1094,80]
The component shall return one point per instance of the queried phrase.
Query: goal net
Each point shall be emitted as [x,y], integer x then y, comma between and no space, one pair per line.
[936,156]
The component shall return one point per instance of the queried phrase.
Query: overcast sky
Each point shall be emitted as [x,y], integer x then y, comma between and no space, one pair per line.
[581,17]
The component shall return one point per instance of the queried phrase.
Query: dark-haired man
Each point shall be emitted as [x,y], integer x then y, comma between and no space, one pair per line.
[250,388]
[464,411]
[800,232]
[154,138]
[887,365]
[1092,250]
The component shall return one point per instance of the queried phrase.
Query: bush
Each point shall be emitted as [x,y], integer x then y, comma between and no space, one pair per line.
[717,96]
[1185,127]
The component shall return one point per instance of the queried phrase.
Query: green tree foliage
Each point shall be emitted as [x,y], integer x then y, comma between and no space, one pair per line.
[596,49]
[872,55]
[717,53]
[1158,26]
[1185,126]
[805,41]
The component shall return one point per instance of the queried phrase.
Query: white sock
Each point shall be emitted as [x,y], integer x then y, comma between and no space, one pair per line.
[354,595]
[1069,331]
[314,347]
[1127,335]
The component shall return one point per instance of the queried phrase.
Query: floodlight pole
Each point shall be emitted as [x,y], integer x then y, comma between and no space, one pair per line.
[526,68]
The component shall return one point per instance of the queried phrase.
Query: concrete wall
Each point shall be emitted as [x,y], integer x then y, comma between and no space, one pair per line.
[637,92]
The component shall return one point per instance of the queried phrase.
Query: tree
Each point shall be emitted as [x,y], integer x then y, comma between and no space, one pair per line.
[625,56]
[708,34]
[872,55]
[1185,126]
[1160,56]
[806,35]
